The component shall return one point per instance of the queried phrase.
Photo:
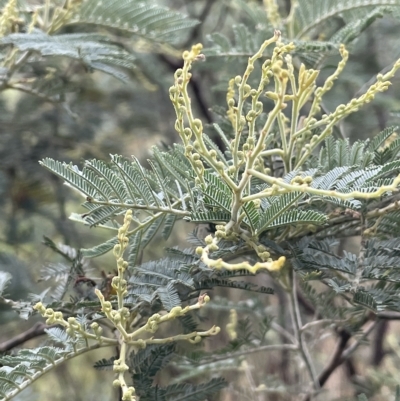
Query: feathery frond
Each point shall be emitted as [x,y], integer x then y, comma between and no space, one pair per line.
[142,18]
[5,279]
[311,14]
[95,51]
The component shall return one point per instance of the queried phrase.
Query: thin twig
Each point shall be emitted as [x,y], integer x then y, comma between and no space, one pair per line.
[341,354]
[346,354]
[361,255]
[14,67]
[334,362]
[279,329]
[296,321]
[276,347]
[43,97]
[318,322]
[250,379]
[389,315]
[35,331]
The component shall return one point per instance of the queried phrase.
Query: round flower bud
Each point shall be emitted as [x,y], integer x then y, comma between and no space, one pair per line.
[199,250]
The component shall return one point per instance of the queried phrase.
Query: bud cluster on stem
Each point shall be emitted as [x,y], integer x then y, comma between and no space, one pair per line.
[251,145]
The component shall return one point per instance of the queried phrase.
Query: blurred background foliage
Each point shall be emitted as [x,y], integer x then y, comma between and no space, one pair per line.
[77,112]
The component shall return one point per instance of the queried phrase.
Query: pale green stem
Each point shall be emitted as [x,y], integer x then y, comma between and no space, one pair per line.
[144,207]
[293,127]
[282,130]
[46,15]
[199,135]
[306,189]
[271,152]
[249,69]
[121,375]
[246,177]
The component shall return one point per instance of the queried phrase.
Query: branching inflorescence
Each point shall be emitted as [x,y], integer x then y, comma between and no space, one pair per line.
[297,135]
[121,318]
[277,117]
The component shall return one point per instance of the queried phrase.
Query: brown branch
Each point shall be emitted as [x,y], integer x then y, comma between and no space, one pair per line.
[336,360]
[341,354]
[389,315]
[378,349]
[35,331]
[202,17]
